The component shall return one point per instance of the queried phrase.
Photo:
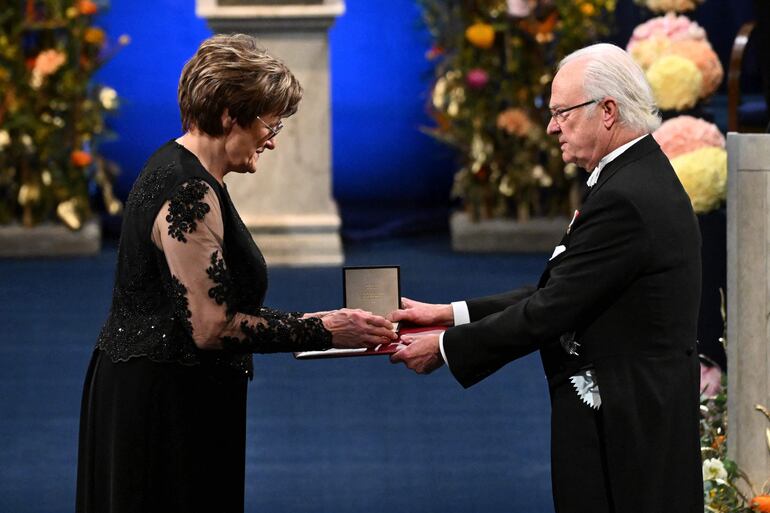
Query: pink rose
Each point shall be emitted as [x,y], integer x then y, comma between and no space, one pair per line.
[477,78]
[519,8]
[670,26]
[684,134]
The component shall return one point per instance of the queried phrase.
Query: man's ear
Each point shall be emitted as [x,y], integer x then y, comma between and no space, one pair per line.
[227,121]
[609,112]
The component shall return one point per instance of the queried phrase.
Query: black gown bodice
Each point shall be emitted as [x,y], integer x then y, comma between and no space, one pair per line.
[150,315]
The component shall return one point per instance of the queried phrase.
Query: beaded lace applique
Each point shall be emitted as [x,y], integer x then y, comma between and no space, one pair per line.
[185,208]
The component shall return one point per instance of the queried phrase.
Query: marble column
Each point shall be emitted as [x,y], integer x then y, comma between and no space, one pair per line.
[748,301]
[288,204]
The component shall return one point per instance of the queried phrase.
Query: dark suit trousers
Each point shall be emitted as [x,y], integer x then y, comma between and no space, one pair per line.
[578,461]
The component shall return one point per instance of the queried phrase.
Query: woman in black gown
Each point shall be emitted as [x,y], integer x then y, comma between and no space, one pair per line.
[163,414]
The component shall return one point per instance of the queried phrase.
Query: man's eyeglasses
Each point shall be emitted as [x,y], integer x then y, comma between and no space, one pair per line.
[273,129]
[560,114]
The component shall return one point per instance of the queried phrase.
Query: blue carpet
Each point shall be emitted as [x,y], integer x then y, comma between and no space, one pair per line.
[323,436]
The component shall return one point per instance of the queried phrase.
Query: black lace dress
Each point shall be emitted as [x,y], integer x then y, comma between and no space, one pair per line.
[163,422]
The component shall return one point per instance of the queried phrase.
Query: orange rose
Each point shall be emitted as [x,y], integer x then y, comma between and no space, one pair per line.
[761,503]
[718,441]
[87,7]
[481,35]
[587,9]
[81,158]
[48,61]
[94,35]
[514,122]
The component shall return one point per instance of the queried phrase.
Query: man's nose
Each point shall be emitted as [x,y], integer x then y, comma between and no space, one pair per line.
[553,127]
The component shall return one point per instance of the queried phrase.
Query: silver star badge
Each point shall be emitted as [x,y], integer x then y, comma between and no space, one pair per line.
[569,344]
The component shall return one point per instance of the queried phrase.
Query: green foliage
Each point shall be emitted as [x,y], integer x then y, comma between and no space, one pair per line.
[494,65]
[51,114]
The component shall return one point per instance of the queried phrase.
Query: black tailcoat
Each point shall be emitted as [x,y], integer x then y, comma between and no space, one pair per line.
[628,285]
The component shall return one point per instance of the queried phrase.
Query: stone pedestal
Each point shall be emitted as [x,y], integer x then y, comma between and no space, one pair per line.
[288,205]
[506,235]
[748,300]
[49,240]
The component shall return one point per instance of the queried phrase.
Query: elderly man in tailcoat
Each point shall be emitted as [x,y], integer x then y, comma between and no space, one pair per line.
[614,315]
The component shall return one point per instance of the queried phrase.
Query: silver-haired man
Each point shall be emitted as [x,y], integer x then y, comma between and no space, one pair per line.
[614,315]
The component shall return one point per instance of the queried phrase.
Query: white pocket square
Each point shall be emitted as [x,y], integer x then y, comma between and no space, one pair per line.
[558,250]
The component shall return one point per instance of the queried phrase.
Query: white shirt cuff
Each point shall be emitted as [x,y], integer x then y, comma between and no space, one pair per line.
[441,347]
[462,316]
[460,310]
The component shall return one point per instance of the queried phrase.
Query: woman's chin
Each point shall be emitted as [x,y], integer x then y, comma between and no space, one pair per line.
[246,169]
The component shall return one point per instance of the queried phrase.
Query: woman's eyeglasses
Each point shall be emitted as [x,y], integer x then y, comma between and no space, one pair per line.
[273,129]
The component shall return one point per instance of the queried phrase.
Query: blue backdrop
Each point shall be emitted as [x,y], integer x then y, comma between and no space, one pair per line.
[387,175]
[382,164]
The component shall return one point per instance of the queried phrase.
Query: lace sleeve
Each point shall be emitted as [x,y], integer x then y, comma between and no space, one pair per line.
[189,230]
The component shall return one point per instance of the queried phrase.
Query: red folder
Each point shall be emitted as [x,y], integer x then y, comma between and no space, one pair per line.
[382,349]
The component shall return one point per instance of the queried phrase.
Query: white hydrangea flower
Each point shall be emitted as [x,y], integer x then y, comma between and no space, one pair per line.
[108,97]
[713,468]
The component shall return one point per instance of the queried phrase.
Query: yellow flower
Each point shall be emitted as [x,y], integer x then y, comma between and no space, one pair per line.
[672,5]
[587,9]
[481,35]
[703,174]
[94,35]
[703,56]
[647,51]
[676,82]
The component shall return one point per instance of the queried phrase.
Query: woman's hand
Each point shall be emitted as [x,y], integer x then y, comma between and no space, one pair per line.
[423,314]
[317,314]
[357,328]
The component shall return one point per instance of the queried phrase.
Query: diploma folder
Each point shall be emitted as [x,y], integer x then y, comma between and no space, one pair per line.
[382,349]
[376,289]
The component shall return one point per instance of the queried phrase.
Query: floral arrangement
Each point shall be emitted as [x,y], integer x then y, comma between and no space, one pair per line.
[684,134]
[494,61]
[704,177]
[670,26]
[696,150]
[725,485]
[675,81]
[51,114]
[669,5]
[680,63]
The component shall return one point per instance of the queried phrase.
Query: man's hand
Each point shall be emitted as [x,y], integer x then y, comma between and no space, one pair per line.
[421,353]
[423,314]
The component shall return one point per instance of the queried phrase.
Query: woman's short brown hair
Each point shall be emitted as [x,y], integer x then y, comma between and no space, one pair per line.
[231,71]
